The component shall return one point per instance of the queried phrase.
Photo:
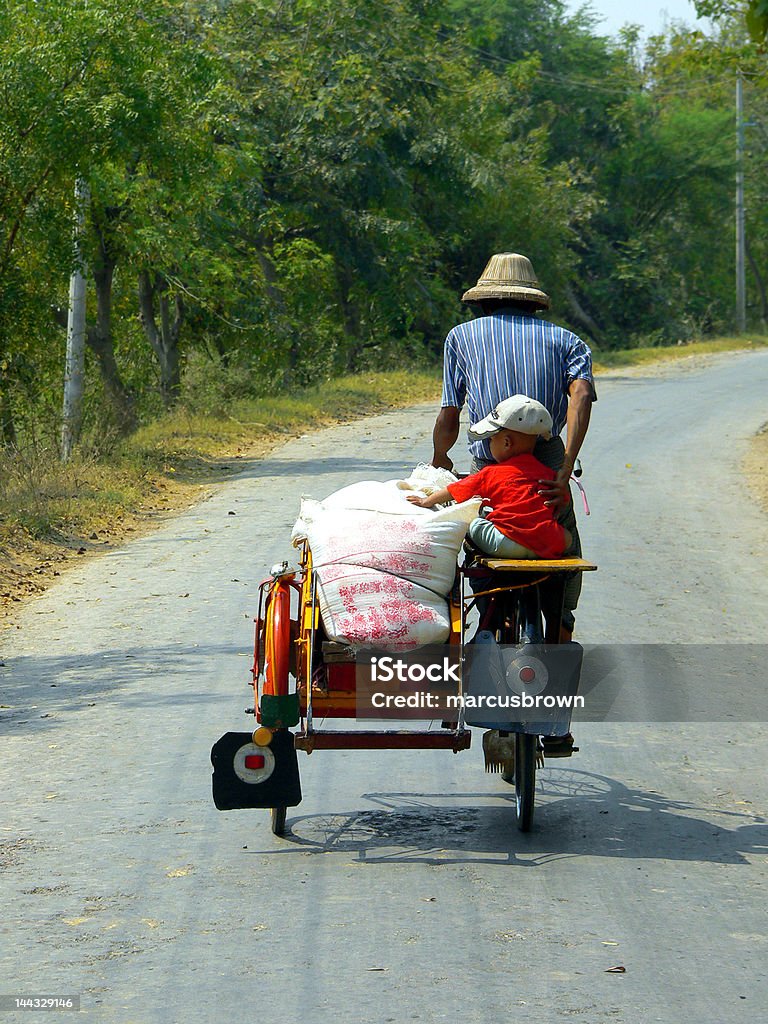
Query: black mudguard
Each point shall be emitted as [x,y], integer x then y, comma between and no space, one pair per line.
[232,791]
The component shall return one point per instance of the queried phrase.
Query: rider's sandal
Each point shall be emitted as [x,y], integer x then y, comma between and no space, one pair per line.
[559,746]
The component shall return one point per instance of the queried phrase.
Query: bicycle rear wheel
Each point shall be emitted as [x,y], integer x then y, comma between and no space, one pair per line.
[529,626]
[277,819]
[525,779]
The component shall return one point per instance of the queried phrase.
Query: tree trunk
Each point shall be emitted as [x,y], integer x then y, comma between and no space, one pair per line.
[170,330]
[7,425]
[275,296]
[351,314]
[74,367]
[100,341]
[99,337]
[217,349]
[164,338]
[581,316]
[760,282]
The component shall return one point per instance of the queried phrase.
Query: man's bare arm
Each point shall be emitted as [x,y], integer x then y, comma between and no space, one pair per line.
[580,397]
[444,436]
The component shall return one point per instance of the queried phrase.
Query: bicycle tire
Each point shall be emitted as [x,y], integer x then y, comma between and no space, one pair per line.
[277,819]
[525,779]
[526,745]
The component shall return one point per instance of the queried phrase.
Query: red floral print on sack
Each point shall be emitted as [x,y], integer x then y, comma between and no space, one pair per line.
[389,537]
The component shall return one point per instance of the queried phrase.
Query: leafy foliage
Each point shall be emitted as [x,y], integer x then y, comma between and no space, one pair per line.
[286,190]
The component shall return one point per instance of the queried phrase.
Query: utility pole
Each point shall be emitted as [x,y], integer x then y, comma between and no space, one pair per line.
[741,290]
[74,371]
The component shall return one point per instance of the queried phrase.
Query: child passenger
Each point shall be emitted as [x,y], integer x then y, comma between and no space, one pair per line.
[518,524]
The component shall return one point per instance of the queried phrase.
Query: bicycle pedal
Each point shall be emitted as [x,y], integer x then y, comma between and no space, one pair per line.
[563,752]
[559,746]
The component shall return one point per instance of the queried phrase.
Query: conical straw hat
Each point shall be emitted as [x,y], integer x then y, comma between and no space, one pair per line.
[508,276]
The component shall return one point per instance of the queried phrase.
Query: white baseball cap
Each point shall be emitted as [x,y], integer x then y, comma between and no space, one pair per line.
[520,413]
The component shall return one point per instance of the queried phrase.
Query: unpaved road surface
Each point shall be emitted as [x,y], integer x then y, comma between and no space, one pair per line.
[403,891]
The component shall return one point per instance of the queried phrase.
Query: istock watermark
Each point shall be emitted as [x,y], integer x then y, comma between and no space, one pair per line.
[540,686]
[474,702]
[388,669]
[488,685]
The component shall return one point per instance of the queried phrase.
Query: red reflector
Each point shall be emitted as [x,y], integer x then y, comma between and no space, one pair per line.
[254,761]
[527,674]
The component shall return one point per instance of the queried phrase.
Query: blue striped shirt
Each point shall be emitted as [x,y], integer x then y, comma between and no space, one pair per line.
[492,357]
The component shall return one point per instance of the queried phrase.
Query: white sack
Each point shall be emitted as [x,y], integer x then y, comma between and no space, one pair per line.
[421,547]
[366,608]
[427,479]
[384,566]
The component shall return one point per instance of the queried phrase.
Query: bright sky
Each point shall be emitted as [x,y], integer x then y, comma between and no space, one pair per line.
[652,15]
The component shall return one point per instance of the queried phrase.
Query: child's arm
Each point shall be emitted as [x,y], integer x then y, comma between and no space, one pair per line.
[436,498]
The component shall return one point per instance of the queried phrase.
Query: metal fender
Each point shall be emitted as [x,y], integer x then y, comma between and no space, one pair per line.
[247,775]
[277,641]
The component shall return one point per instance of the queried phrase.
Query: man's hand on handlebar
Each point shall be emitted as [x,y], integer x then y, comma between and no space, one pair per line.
[557,492]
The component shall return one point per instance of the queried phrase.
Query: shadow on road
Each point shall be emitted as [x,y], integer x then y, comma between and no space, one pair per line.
[41,692]
[579,814]
[378,468]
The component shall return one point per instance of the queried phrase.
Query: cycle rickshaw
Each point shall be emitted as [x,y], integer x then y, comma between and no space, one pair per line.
[301,679]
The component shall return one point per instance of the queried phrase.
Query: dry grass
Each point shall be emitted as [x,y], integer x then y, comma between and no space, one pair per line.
[642,356]
[184,434]
[50,514]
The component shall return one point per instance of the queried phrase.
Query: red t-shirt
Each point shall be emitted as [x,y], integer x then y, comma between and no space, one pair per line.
[517,510]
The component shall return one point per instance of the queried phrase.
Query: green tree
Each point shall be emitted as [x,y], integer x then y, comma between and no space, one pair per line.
[43,57]
[754,13]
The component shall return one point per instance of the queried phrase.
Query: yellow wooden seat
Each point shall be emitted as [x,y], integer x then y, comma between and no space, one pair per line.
[548,565]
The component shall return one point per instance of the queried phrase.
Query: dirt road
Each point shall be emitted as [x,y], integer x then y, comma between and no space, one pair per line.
[404,891]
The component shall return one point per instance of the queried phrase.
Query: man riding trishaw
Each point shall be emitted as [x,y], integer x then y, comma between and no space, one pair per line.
[508,350]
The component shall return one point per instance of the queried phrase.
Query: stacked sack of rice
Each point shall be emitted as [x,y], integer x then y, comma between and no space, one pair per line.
[384,566]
